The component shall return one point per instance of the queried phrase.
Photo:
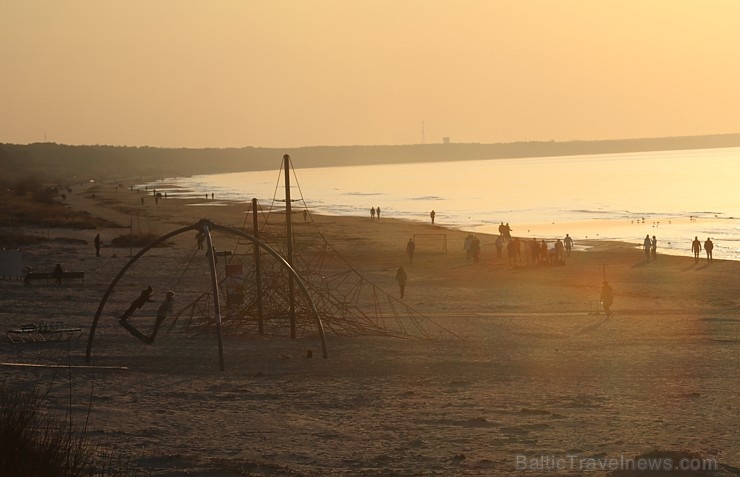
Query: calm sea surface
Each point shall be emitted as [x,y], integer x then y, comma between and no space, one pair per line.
[674,195]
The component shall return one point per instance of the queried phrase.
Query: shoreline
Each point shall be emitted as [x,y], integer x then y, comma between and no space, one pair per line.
[586,232]
[675,227]
[389,235]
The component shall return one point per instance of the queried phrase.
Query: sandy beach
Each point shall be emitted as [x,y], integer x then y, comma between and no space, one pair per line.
[522,368]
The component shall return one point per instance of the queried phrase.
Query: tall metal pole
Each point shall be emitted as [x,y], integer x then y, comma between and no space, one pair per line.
[257,268]
[289,238]
[214,285]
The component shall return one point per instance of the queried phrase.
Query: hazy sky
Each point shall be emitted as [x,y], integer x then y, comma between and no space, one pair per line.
[281,73]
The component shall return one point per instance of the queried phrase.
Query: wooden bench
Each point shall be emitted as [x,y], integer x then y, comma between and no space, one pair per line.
[31,276]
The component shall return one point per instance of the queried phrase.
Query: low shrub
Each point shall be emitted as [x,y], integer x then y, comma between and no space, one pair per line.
[32,443]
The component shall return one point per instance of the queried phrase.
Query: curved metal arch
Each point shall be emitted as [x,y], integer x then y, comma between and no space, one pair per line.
[211,226]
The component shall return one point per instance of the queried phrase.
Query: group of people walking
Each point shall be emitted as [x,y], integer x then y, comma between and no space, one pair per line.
[539,252]
[650,246]
[708,247]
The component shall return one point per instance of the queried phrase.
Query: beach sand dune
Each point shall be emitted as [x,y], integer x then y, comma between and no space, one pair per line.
[530,369]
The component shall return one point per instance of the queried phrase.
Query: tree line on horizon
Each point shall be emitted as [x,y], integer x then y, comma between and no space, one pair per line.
[66,164]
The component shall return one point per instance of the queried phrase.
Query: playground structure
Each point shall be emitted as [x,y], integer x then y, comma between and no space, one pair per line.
[272,283]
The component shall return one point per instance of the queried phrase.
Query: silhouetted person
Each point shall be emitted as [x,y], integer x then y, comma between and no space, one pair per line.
[568,242]
[507,231]
[468,246]
[377,212]
[475,249]
[97,245]
[305,215]
[200,237]
[607,298]
[534,250]
[164,310]
[559,251]
[144,296]
[401,279]
[646,244]
[511,252]
[372,212]
[696,248]
[708,247]
[58,273]
[432,214]
[654,247]
[410,247]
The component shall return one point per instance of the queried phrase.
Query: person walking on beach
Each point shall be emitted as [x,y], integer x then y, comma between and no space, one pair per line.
[410,247]
[432,214]
[499,245]
[559,251]
[372,213]
[534,251]
[58,273]
[401,279]
[654,247]
[511,252]
[696,248]
[468,246]
[200,237]
[708,247]
[377,212]
[475,249]
[97,245]
[646,244]
[607,298]
[568,242]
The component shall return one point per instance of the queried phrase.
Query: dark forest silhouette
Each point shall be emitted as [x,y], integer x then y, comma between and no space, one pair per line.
[65,163]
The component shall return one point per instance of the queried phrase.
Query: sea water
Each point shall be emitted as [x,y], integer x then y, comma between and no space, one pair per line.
[674,195]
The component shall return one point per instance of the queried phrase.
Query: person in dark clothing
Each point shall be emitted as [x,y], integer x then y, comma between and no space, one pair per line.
[58,273]
[401,279]
[164,310]
[607,298]
[696,248]
[708,247]
[144,296]
[410,247]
